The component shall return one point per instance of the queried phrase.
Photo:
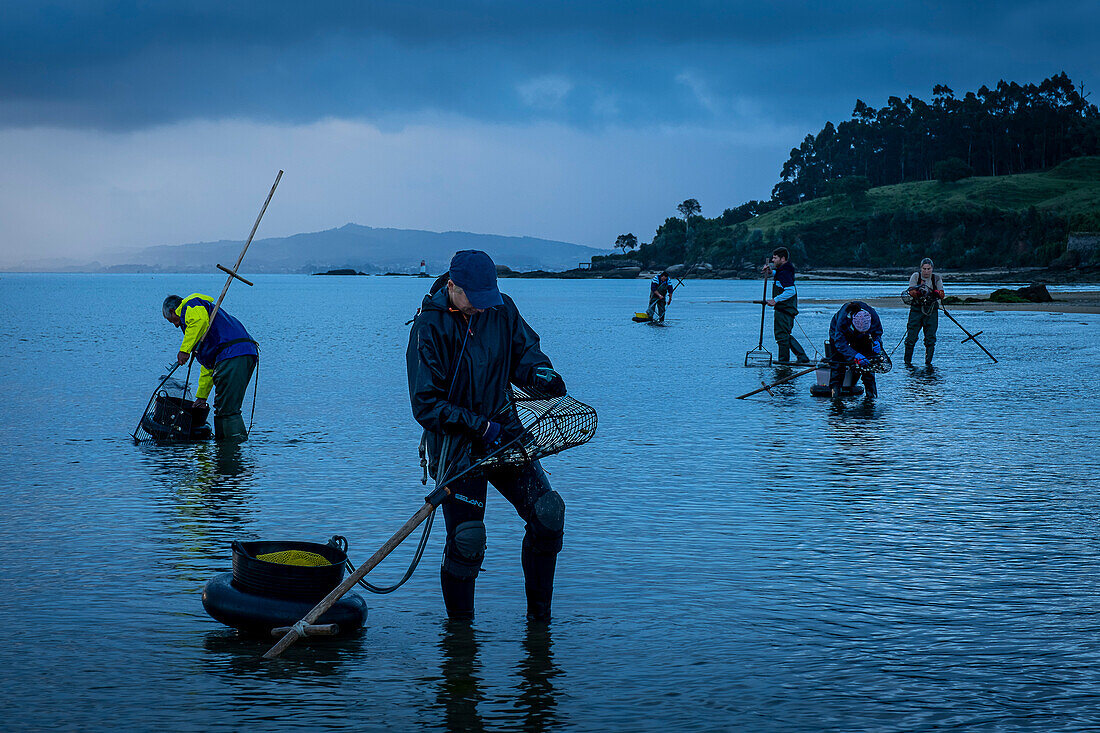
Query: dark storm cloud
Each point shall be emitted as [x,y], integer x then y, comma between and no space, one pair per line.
[125,65]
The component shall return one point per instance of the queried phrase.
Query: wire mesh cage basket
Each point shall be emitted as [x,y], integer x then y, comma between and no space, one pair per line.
[879,364]
[923,299]
[171,416]
[544,425]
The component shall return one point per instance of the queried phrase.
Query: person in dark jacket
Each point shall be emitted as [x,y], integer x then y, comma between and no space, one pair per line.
[785,301]
[660,294]
[468,344]
[856,336]
[226,354]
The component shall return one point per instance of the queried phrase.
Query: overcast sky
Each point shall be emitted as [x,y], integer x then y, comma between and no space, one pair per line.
[128,124]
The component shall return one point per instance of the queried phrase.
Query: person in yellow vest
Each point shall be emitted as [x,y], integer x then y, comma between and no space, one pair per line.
[227,356]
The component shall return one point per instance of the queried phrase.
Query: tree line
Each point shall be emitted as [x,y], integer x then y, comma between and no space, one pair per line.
[1012,128]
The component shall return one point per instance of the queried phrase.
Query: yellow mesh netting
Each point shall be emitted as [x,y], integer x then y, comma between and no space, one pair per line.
[294,557]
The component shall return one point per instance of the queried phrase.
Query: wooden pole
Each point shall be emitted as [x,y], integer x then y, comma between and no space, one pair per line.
[969,336]
[299,629]
[767,387]
[680,280]
[321,630]
[233,273]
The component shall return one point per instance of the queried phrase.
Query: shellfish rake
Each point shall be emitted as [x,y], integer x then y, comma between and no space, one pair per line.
[760,357]
[550,425]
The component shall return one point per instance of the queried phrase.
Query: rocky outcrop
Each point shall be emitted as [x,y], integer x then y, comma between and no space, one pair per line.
[1034,293]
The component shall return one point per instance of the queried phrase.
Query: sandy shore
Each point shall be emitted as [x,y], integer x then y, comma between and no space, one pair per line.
[1077,302]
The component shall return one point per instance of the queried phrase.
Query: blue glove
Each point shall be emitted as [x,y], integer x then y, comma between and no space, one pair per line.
[491,434]
[876,346]
[862,360]
[548,381]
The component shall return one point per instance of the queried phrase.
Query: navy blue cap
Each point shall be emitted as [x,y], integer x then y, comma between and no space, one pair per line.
[474,272]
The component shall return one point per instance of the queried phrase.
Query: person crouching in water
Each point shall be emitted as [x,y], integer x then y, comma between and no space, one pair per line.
[226,354]
[660,294]
[926,290]
[785,301]
[856,335]
[467,346]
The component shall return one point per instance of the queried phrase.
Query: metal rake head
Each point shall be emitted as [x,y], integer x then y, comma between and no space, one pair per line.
[758,357]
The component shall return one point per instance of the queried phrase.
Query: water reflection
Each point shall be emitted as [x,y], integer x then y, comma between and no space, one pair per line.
[866,408]
[459,689]
[537,694]
[212,482]
[239,657]
[924,385]
[206,499]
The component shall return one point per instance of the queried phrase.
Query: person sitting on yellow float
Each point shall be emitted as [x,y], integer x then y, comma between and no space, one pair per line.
[227,356]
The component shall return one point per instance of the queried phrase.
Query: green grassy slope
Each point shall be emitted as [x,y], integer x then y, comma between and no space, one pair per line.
[1071,190]
[1015,220]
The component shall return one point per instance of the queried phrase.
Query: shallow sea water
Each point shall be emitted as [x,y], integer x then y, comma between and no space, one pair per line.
[924,561]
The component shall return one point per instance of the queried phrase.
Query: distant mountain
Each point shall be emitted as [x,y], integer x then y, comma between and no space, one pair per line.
[351,246]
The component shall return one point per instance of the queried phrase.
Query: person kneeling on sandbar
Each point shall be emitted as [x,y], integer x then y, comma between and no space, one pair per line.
[226,354]
[856,336]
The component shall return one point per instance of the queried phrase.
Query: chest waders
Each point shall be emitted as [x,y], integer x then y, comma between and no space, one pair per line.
[926,317]
[785,311]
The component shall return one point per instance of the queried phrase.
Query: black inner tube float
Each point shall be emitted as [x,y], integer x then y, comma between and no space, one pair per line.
[275,584]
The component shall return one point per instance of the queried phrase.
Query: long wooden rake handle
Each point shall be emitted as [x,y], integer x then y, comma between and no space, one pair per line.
[970,336]
[237,264]
[767,387]
[431,501]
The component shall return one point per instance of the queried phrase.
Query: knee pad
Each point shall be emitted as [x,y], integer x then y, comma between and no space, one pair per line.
[465,550]
[547,523]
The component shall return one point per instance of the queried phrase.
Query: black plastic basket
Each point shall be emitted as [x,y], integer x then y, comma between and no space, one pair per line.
[175,419]
[292,582]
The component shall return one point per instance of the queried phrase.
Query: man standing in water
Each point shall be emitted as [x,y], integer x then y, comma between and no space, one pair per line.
[660,294]
[467,346]
[856,336]
[226,354]
[926,292]
[785,301]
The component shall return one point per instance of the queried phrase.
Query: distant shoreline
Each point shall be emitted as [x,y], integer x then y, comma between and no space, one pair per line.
[1048,276]
[1025,276]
